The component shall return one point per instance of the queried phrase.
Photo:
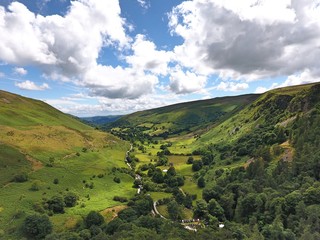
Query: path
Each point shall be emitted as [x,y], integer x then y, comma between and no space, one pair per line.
[137,176]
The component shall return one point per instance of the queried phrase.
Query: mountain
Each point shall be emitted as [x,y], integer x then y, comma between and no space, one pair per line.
[45,156]
[101,120]
[184,118]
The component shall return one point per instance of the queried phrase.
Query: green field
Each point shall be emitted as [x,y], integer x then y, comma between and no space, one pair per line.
[45,144]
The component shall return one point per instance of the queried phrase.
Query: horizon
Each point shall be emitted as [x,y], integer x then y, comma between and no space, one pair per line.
[100,58]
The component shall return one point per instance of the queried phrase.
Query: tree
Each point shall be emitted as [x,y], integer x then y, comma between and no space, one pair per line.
[215,209]
[157,176]
[70,199]
[201,182]
[190,160]
[56,204]
[201,208]
[37,226]
[22,177]
[174,210]
[93,218]
[196,165]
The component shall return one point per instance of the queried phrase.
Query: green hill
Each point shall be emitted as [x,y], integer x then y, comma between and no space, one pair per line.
[46,153]
[183,118]
[256,168]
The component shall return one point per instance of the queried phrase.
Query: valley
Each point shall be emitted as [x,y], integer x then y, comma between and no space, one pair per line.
[249,163]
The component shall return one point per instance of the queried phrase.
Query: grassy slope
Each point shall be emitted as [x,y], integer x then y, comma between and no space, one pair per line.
[251,116]
[225,130]
[32,132]
[188,116]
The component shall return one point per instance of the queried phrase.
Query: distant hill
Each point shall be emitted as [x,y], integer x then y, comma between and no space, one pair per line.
[101,120]
[185,117]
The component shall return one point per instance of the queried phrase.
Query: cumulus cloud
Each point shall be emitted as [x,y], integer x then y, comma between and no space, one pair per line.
[232,86]
[20,71]
[147,57]
[119,82]
[183,82]
[248,39]
[303,77]
[29,85]
[67,47]
[106,106]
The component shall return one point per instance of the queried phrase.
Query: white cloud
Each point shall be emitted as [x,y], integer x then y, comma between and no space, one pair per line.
[67,47]
[20,71]
[232,86]
[260,90]
[29,85]
[2,75]
[300,78]
[147,57]
[183,82]
[248,39]
[107,106]
[144,3]
[119,82]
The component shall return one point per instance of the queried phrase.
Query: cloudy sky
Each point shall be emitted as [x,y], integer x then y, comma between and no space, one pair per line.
[102,57]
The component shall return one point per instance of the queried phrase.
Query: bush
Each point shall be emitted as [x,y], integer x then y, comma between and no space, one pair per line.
[37,226]
[56,181]
[22,177]
[35,185]
[70,199]
[93,218]
[56,204]
[120,199]
[117,179]
[196,165]
[190,160]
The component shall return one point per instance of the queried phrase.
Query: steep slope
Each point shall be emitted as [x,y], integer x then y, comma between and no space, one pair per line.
[257,170]
[184,117]
[18,111]
[276,108]
[45,153]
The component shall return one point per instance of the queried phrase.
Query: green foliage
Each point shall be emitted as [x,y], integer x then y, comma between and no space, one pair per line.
[56,204]
[37,226]
[197,165]
[70,199]
[22,177]
[201,182]
[93,218]
[174,210]
[116,179]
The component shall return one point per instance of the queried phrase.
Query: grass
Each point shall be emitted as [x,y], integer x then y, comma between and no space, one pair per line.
[34,135]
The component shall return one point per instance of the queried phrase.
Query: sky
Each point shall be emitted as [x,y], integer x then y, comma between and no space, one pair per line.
[111,57]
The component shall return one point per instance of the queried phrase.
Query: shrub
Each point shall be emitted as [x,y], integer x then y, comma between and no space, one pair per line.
[35,185]
[93,218]
[120,199]
[56,181]
[70,199]
[37,226]
[22,177]
[117,179]
[56,204]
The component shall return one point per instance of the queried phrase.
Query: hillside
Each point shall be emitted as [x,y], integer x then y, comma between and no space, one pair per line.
[245,167]
[256,169]
[101,120]
[183,118]
[45,153]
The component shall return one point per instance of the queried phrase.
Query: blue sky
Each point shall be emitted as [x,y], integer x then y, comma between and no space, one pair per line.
[97,57]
